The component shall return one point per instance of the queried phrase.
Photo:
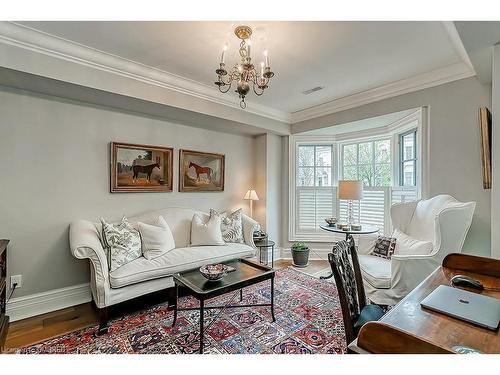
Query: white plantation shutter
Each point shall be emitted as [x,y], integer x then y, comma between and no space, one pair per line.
[374,208]
[313,206]
[404,194]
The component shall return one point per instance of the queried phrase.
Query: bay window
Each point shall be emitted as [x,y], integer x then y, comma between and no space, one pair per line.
[386,161]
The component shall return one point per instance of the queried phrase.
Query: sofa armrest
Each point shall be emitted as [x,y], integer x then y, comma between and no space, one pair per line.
[249,226]
[85,244]
[407,271]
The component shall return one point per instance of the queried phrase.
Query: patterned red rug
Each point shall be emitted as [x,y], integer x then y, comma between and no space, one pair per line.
[308,321]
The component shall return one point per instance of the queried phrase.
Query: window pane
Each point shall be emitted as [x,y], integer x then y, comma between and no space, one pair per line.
[382,175]
[323,177]
[383,151]
[408,146]
[366,153]
[305,156]
[350,154]
[305,176]
[350,173]
[409,173]
[366,174]
[323,155]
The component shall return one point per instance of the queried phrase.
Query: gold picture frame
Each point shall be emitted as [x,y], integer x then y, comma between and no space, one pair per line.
[485,131]
[141,168]
[201,171]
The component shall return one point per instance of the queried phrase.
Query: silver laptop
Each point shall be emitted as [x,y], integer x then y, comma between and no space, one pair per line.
[474,308]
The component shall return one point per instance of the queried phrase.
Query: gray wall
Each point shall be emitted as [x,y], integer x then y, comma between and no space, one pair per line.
[495,157]
[455,154]
[268,165]
[55,169]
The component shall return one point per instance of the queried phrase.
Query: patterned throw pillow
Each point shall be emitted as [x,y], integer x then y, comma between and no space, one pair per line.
[123,243]
[384,247]
[231,226]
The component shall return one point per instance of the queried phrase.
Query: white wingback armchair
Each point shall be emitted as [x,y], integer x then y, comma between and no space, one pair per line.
[442,220]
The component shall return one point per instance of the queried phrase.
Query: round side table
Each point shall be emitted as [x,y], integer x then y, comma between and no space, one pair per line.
[265,244]
[365,229]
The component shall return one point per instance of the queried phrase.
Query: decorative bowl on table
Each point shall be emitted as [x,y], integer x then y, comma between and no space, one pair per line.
[331,221]
[214,272]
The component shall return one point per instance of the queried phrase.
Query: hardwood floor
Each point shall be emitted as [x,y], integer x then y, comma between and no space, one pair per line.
[39,328]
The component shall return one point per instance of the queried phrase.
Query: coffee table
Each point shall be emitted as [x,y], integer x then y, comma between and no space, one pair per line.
[246,273]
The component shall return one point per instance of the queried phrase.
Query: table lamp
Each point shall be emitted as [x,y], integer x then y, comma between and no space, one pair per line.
[350,190]
[251,196]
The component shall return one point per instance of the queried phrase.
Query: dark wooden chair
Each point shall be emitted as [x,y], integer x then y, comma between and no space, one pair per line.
[347,274]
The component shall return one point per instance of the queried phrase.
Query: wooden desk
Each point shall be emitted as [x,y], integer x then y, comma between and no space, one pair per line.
[414,325]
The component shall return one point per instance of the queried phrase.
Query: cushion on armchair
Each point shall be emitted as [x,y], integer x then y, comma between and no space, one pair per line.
[406,245]
[384,247]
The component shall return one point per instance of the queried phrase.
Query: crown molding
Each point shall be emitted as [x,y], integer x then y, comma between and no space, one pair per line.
[419,82]
[21,36]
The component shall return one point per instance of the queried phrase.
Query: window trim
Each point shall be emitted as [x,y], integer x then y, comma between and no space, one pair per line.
[402,160]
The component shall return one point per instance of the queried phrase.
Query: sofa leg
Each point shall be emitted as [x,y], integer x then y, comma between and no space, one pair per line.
[103,321]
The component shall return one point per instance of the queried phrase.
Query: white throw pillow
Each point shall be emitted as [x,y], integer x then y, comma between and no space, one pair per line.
[156,239]
[206,233]
[406,245]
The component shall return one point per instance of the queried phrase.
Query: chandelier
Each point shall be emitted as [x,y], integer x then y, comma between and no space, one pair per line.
[244,73]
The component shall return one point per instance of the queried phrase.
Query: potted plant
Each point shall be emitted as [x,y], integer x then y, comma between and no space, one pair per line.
[300,254]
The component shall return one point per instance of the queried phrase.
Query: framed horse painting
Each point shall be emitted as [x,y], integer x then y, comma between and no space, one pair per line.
[201,171]
[141,168]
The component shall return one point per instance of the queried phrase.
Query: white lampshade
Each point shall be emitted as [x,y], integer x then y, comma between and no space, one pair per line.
[350,190]
[251,195]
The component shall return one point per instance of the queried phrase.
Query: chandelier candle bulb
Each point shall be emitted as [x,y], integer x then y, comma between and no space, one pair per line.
[249,46]
[223,58]
[267,58]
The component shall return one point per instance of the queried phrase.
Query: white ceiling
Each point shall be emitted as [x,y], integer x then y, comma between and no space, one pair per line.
[345,57]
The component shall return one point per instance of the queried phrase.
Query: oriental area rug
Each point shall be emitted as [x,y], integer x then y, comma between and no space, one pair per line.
[308,321]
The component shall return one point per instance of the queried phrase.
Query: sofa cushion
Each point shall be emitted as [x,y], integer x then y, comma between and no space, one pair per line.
[156,239]
[122,242]
[176,260]
[376,271]
[206,232]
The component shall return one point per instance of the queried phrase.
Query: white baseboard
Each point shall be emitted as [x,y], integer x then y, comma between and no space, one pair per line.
[41,303]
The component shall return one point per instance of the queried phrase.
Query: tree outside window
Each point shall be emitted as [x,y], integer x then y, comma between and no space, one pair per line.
[368,161]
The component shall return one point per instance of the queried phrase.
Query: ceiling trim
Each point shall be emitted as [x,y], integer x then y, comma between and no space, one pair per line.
[22,36]
[422,81]
[34,40]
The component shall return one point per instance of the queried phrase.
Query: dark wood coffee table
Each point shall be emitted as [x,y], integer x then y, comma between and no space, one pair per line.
[247,273]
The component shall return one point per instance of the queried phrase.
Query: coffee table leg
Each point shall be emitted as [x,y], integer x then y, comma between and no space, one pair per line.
[175,305]
[241,294]
[202,308]
[272,299]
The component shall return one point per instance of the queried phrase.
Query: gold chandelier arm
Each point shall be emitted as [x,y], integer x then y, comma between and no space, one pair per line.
[228,85]
[258,93]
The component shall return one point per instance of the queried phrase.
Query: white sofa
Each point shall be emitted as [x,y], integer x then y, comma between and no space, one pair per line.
[442,220]
[143,276]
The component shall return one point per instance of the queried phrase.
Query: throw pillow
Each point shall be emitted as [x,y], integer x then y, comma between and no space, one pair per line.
[231,226]
[157,240]
[407,245]
[122,241]
[206,232]
[384,247]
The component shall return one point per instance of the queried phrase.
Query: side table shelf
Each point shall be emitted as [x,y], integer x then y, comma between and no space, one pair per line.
[264,246]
